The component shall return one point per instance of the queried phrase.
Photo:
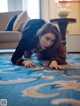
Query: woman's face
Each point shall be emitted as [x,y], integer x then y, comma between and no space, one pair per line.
[47,40]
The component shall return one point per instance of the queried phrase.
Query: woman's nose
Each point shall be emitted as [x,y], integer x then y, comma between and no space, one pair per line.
[49,43]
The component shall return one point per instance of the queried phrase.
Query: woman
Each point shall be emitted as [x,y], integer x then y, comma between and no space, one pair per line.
[46,42]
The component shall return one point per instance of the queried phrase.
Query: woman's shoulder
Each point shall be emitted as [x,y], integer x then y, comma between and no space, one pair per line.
[32,27]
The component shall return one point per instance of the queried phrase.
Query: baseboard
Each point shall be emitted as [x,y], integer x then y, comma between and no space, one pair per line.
[74,52]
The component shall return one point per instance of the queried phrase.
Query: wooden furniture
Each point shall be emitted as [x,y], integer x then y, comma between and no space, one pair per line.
[62,23]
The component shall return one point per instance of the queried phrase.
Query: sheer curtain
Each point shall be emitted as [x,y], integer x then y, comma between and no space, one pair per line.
[3,6]
[32,6]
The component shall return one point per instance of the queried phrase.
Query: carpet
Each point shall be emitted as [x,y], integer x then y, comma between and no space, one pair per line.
[39,86]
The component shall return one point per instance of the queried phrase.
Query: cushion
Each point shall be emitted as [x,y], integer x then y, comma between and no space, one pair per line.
[24,25]
[9,26]
[21,19]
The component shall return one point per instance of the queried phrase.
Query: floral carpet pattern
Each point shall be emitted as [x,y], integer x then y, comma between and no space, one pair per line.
[40,86]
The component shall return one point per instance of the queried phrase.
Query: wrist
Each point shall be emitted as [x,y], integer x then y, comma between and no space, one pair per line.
[52,60]
[23,63]
[19,61]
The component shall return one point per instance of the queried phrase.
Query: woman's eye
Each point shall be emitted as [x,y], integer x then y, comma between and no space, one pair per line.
[47,39]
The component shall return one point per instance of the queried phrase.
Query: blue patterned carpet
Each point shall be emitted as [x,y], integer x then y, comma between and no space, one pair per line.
[40,86]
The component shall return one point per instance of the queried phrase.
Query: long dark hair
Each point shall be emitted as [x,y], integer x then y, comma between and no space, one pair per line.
[51,51]
[50,28]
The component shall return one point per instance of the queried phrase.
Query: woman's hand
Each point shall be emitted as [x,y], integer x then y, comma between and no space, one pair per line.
[28,63]
[54,64]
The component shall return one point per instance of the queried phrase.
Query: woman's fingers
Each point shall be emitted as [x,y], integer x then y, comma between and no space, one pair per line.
[57,67]
[31,64]
[28,64]
[61,67]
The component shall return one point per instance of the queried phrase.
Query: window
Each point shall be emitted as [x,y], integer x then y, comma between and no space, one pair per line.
[3,6]
[32,7]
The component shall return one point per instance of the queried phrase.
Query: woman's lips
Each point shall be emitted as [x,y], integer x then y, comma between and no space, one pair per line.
[46,47]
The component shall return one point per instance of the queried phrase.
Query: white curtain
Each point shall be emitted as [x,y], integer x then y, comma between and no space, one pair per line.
[32,7]
[3,6]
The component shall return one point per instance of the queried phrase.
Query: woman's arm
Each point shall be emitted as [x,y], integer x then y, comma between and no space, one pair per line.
[59,59]
[60,55]
[17,56]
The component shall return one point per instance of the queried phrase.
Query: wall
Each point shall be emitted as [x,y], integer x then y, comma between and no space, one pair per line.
[45,9]
[75,13]
[73,43]
[50,9]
